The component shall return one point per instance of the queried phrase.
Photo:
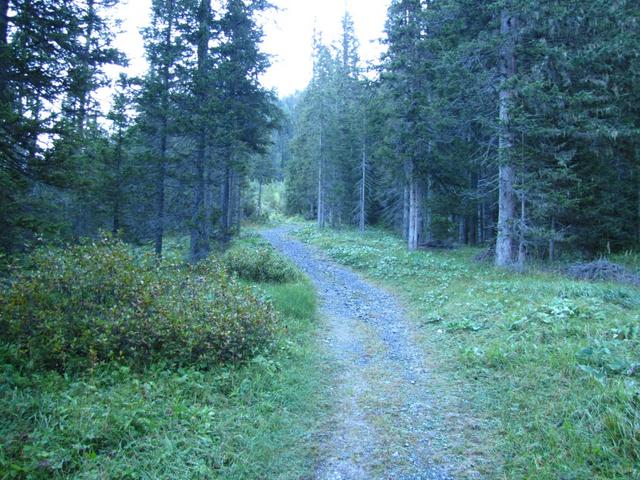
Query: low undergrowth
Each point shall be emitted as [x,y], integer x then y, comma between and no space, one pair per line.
[556,361]
[253,259]
[246,418]
[71,308]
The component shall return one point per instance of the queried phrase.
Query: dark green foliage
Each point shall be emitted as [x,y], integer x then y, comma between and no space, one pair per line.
[52,58]
[96,302]
[259,263]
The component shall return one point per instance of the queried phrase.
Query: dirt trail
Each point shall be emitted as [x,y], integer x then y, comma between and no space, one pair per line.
[384,422]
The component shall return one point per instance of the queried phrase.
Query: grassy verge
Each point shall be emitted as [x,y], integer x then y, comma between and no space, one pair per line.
[250,420]
[556,362]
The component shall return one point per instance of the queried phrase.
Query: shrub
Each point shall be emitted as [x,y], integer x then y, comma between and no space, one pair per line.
[95,302]
[259,263]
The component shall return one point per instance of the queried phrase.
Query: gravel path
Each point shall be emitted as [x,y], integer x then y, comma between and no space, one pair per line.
[383,422]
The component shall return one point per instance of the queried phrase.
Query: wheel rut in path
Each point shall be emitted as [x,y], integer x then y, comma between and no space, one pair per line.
[382,424]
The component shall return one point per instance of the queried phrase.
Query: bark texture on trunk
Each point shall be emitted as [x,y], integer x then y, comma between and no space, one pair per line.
[199,218]
[199,244]
[462,230]
[507,202]
[363,188]
[225,223]
[321,183]
[160,188]
[259,197]
[118,180]
[522,244]
[429,210]
[552,241]
[237,203]
[163,140]
[405,213]
[415,214]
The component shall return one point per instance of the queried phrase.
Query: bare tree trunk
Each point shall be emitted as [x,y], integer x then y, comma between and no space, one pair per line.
[507,196]
[522,246]
[462,230]
[405,212]
[363,186]
[199,245]
[237,189]
[160,187]
[260,197]
[415,214]
[480,233]
[552,240]
[429,210]
[321,182]
[118,180]
[199,239]
[406,198]
[225,223]
[163,133]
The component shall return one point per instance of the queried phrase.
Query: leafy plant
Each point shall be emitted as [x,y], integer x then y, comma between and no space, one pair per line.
[258,262]
[74,308]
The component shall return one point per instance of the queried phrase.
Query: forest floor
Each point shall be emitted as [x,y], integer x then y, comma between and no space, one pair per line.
[394,414]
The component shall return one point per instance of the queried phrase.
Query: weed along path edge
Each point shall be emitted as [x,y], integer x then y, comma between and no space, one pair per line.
[386,420]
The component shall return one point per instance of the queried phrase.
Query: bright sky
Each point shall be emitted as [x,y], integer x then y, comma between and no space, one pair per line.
[288,37]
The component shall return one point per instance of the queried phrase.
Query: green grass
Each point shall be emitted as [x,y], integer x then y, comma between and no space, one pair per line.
[555,361]
[249,421]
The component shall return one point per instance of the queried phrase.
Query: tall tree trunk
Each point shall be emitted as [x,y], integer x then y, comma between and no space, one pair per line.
[552,240]
[160,189]
[321,181]
[199,244]
[363,186]
[118,180]
[405,211]
[415,214]
[237,203]
[481,222]
[429,209]
[462,230]
[163,140]
[226,201]
[260,196]
[199,228]
[507,197]
[522,246]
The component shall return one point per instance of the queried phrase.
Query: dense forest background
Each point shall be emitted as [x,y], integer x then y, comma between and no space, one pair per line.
[513,125]
[508,120]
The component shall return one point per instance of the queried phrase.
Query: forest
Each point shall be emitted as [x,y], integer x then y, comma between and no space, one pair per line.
[202,279]
[477,127]
[514,127]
